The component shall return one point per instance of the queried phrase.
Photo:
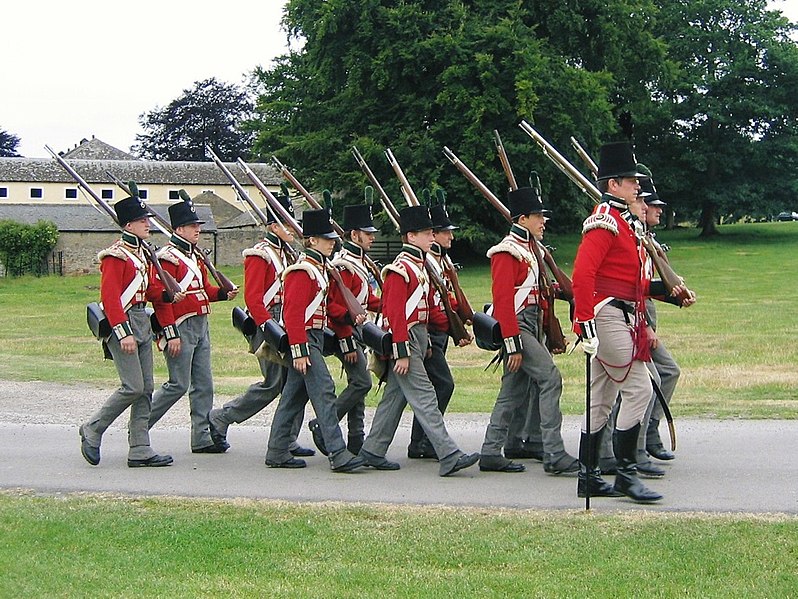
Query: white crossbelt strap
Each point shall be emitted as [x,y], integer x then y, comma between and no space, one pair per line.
[415,297]
[135,284]
[313,306]
[194,271]
[279,267]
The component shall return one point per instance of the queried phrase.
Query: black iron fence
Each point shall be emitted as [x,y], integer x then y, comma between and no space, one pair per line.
[16,266]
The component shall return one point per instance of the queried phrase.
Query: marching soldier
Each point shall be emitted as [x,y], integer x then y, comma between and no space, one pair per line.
[610,287]
[305,286]
[528,366]
[359,232]
[263,293]
[185,340]
[438,371]
[126,284]
[405,309]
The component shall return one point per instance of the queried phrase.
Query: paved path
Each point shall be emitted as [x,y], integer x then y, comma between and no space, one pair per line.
[722,466]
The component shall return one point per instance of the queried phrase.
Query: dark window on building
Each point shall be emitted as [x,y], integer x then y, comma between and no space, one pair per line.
[70,193]
[174,194]
[107,194]
[143,194]
[36,193]
[3,192]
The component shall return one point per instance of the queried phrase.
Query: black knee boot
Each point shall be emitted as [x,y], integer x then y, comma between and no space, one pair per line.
[589,477]
[626,481]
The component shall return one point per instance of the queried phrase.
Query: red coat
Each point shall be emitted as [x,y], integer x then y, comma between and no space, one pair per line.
[354,278]
[401,282]
[301,287]
[118,270]
[608,263]
[200,291]
[260,274]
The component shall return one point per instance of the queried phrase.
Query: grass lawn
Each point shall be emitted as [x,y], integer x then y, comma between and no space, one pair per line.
[735,345]
[106,546]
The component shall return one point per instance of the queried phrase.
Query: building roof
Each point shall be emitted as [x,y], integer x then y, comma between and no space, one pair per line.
[76,218]
[94,149]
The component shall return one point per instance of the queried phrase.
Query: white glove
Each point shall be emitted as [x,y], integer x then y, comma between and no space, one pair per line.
[590,342]
[590,346]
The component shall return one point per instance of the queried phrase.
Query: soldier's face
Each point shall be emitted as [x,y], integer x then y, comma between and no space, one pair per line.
[535,224]
[444,238]
[140,228]
[421,239]
[653,214]
[190,232]
[363,238]
[625,188]
[323,245]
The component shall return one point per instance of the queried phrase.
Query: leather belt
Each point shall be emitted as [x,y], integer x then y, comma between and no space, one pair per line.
[626,307]
[139,306]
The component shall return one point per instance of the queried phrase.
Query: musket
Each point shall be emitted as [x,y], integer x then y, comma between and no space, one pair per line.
[291,253]
[288,175]
[385,201]
[353,306]
[164,227]
[171,286]
[582,153]
[456,326]
[669,277]
[555,338]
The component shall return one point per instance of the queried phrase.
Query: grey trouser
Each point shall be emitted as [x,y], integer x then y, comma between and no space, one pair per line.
[413,388]
[537,367]
[258,396]
[351,402]
[525,422]
[135,391]
[439,375]
[614,373]
[189,371]
[317,385]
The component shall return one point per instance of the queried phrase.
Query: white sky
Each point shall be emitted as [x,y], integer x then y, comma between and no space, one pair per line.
[71,70]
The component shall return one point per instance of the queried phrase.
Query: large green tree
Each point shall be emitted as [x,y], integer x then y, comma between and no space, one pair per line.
[212,113]
[726,143]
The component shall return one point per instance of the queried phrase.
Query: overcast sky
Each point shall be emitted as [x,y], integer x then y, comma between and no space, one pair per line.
[71,70]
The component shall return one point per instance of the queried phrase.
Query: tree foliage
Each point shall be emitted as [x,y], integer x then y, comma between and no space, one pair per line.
[8,144]
[24,248]
[210,113]
[707,82]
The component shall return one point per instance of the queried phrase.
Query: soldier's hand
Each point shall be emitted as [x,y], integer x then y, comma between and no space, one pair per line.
[301,364]
[590,346]
[173,346]
[402,366]
[653,340]
[351,357]
[360,319]
[514,362]
[179,297]
[128,344]
[232,293]
[464,342]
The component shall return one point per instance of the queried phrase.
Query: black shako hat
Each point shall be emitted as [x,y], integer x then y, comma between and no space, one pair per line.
[358,217]
[617,159]
[440,218]
[525,200]
[130,209]
[285,202]
[414,218]
[183,212]
[647,189]
[317,223]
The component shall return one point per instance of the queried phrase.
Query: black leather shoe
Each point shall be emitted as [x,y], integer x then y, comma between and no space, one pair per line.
[598,487]
[608,466]
[649,469]
[561,463]
[465,461]
[659,452]
[208,449]
[292,463]
[497,463]
[90,453]
[523,453]
[353,464]
[318,438]
[218,438]
[153,462]
[302,452]
[421,450]
[377,462]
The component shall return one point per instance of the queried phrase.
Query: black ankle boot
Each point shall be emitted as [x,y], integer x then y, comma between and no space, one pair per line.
[589,478]
[626,480]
